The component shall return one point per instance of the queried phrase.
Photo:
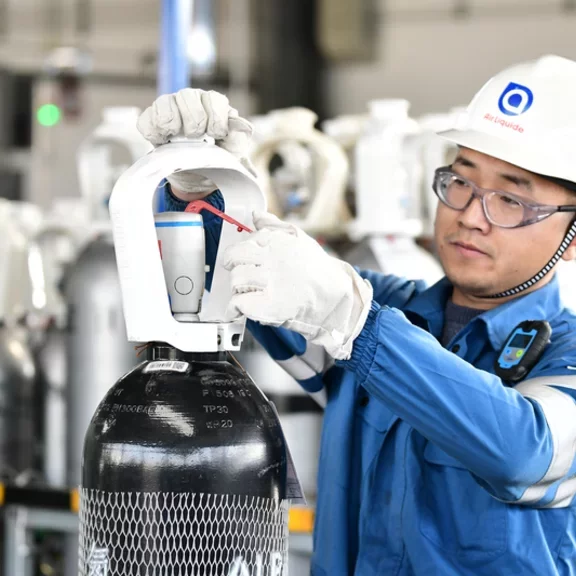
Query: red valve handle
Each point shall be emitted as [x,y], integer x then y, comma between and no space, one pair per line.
[196,206]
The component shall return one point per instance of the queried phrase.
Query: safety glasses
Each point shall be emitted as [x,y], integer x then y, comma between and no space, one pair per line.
[500,208]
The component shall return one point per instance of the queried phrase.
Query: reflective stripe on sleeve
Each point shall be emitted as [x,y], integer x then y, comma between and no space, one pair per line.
[560,412]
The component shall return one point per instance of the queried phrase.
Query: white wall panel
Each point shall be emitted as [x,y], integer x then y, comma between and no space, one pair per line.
[440,64]
[416,6]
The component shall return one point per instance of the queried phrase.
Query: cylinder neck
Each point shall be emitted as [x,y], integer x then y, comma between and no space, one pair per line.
[164,351]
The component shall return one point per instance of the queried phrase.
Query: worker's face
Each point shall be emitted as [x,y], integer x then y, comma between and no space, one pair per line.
[481,259]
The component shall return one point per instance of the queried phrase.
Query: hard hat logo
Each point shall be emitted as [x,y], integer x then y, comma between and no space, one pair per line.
[515,100]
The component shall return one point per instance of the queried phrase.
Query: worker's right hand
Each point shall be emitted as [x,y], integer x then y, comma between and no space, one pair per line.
[282,277]
[194,113]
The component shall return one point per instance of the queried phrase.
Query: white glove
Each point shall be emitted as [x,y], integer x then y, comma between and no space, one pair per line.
[195,113]
[282,277]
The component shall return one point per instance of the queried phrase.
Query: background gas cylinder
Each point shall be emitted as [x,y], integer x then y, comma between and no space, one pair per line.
[56,249]
[98,351]
[309,187]
[19,442]
[184,471]
[389,197]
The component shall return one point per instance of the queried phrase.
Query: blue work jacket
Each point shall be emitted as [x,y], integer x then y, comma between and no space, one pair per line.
[430,464]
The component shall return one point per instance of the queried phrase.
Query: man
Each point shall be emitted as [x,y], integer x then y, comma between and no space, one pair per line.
[431,463]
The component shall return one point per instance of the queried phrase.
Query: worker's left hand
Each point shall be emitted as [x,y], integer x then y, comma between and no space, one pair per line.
[196,113]
[282,277]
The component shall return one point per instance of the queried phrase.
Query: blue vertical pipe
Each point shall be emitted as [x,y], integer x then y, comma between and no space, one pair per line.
[173,65]
[173,69]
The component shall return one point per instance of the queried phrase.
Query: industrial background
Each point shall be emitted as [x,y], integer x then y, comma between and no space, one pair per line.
[72,73]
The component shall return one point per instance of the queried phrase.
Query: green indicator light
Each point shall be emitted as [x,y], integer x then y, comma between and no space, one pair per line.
[48,115]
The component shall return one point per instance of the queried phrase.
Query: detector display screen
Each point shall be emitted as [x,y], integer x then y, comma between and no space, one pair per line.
[520,341]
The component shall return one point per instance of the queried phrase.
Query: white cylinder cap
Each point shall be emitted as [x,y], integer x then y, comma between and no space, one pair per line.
[294,119]
[392,109]
[262,124]
[29,217]
[436,121]
[345,127]
[121,114]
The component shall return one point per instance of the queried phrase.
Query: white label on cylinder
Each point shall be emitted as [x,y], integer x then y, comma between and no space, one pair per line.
[98,562]
[240,568]
[277,564]
[167,366]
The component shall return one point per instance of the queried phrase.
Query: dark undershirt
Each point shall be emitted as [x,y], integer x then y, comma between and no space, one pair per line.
[455,318]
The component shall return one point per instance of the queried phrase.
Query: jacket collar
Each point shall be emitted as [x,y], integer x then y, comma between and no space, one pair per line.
[427,310]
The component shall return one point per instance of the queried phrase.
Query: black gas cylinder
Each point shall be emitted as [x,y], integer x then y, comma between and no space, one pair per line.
[184,473]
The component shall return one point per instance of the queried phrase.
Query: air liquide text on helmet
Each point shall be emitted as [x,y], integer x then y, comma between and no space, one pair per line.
[503,122]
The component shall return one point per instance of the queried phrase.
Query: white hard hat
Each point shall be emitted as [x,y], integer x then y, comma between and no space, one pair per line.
[525,115]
